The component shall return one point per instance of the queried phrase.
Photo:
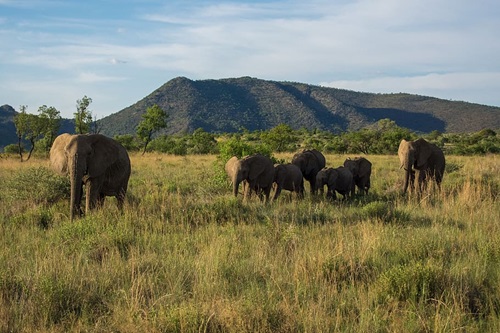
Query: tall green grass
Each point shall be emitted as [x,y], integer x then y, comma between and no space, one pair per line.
[186,256]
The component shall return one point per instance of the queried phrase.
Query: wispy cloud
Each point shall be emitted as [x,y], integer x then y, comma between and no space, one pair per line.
[446,48]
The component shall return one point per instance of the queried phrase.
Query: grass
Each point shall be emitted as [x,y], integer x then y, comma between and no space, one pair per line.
[186,256]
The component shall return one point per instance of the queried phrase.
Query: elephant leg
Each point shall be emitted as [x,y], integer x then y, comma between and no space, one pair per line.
[120,198]
[267,191]
[93,195]
[421,180]
[246,190]
[312,183]
[412,180]
[277,193]
[330,193]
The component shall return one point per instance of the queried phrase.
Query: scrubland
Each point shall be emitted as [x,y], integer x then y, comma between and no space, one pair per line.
[186,256]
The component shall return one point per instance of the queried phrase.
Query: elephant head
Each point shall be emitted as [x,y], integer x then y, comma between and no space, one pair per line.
[423,156]
[96,161]
[310,162]
[361,170]
[256,170]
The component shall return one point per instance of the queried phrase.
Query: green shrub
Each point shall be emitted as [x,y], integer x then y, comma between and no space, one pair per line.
[412,282]
[38,184]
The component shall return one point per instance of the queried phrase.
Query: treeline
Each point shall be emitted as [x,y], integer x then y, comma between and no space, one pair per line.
[381,138]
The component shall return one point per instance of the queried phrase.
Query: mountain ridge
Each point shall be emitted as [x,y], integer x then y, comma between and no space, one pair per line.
[228,105]
[233,104]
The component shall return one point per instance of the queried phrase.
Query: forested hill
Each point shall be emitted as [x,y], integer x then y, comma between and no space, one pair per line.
[228,105]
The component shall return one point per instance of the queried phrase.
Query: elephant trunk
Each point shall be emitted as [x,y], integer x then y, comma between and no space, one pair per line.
[407,179]
[407,165]
[236,185]
[76,175]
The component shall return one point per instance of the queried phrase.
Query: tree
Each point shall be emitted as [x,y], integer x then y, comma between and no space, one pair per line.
[30,127]
[83,116]
[153,120]
[21,123]
[202,142]
[51,119]
[278,138]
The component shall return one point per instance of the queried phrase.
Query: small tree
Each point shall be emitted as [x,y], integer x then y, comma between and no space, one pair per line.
[51,119]
[153,120]
[30,127]
[83,116]
[278,138]
[21,123]
[202,142]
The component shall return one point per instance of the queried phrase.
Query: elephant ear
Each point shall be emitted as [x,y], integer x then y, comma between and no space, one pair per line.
[403,152]
[423,152]
[230,166]
[104,154]
[58,160]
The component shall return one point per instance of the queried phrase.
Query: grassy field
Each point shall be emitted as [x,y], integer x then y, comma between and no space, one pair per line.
[186,256]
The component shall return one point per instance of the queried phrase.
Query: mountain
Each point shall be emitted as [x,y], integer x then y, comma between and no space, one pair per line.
[228,105]
[7,127]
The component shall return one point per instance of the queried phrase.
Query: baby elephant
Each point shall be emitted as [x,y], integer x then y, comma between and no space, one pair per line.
[288,177]
[361,170]
[337,180]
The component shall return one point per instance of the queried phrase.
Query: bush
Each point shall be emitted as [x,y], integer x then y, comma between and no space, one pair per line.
[12,149]
[38,184]
[412,282]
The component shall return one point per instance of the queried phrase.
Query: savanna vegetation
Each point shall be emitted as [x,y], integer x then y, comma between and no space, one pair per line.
[186,256]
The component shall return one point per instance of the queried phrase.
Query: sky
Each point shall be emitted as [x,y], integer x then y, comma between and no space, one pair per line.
[117,52]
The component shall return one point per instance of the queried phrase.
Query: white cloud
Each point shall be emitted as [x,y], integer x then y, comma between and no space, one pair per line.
[473,87]
[88,77]
[445,48]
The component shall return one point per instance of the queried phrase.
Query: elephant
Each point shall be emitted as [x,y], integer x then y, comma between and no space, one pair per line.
[361,170]
[288,177]
[96,161]
[422,158]
[337,180]
[255,171]
[310,162]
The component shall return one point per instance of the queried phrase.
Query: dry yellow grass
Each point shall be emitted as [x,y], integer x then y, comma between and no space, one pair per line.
[186,256]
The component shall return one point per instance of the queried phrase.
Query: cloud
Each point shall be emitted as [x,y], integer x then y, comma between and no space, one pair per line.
[88,77]
[445,48]
[473,87]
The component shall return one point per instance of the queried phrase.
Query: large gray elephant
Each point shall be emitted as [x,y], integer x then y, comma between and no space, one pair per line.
[310,162]
[288,177]
[423,158]
[255,171]
[361,170]
[336,180]
[96,161]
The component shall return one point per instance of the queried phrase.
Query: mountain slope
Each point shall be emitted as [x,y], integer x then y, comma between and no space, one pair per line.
[7,128]
[228,105]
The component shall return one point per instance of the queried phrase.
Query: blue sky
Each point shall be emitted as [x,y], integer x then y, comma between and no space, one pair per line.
[55,52]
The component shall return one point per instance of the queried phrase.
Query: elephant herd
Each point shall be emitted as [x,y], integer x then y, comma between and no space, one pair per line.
[103,166]
[258,174]
[420,159]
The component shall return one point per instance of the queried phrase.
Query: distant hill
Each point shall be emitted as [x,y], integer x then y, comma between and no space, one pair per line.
[7,128]
[228,105]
